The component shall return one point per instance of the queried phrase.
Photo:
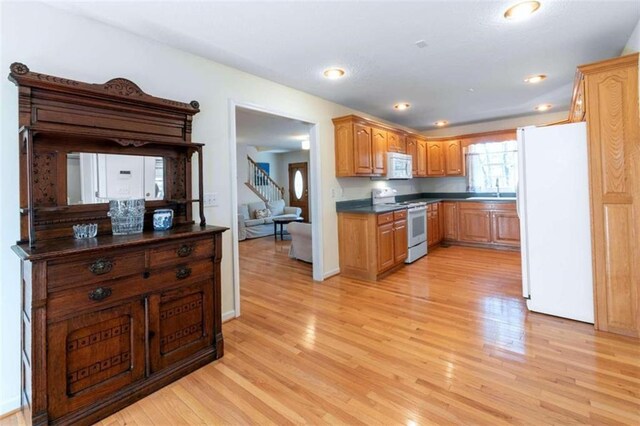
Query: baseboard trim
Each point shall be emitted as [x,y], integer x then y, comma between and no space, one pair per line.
[9,407]
[229,315]
[331,273]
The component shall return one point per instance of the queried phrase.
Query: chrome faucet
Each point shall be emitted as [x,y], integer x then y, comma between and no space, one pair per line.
[498,187]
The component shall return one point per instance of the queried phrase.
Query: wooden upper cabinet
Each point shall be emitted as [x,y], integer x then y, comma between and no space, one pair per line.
[363,152]
[421,167]
[412,150]
[453,158]
[435,159]
[613,128]
[379,150]
[344,148]
[578,104]
[396,142]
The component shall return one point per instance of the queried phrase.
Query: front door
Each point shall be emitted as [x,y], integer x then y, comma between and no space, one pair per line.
[298,188]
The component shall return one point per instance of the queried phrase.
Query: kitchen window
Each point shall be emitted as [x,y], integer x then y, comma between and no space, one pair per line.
[492,165]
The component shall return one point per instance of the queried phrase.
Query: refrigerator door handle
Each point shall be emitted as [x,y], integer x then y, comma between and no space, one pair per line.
[518,200]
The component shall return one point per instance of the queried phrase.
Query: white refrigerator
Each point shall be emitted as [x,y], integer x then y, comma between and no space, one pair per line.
[555,231]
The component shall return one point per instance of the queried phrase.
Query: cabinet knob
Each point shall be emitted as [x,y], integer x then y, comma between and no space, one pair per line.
[101,266]
[184,250]
[99,293]
[183,272]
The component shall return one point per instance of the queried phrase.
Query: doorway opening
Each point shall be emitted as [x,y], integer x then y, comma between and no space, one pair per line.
[275,195]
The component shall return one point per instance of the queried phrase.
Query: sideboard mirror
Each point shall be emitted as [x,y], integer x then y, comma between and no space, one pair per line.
[94,178]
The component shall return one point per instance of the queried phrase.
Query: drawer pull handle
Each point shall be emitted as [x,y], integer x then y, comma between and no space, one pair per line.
[100,293]
[101,266]
[184,250]
[183,272]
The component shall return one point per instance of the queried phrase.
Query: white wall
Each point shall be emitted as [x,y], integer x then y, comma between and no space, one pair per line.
[633,44]
[66,45]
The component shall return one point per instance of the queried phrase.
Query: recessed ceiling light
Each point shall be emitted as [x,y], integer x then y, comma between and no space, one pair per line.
[521,10]
[306,144]
[333,73]
[402,106]
[543,107]
[421,44]
[471,90]
[441,123]
[533,79]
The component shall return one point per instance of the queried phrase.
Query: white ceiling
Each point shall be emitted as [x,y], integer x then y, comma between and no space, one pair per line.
[269,132]
[469,46]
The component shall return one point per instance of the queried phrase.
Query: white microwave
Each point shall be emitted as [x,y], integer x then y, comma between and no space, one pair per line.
[398,166]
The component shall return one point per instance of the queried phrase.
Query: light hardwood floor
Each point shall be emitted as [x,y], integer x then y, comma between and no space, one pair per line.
[446,340]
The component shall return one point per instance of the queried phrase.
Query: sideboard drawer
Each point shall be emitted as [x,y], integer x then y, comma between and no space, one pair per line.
[93,269]
[184,251]
[90,297]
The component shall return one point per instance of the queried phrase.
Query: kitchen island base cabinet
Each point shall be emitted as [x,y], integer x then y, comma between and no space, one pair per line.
[372,245]
[482,224]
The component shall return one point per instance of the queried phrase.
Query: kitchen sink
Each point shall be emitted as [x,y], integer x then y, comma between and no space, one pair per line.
[492,198]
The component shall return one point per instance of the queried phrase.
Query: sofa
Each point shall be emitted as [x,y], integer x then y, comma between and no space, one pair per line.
[250,226]
[301,247]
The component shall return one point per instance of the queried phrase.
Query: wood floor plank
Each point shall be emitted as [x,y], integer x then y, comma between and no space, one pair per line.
[445,340]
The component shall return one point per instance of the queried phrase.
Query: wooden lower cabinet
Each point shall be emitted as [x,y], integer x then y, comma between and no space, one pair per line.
[385,242]
[400,241]
[94,345]
[505,227]
[372,244]
[435,227]
[486,224]
[450,221]
[474,223]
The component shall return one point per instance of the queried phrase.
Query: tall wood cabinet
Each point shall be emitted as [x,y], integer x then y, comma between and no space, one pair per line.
[110,319]
[606,95]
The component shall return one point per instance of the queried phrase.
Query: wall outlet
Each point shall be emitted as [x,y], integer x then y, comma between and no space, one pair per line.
[210,199]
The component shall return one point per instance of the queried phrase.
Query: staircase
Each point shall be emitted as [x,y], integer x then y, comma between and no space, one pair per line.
[261,184]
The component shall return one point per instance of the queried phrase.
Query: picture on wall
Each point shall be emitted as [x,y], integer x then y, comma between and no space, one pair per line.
[260,179]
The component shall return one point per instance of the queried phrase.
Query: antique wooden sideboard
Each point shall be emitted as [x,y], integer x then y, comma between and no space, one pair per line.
[110,319]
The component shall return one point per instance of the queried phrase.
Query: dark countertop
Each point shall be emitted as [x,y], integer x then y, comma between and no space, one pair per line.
[364,205]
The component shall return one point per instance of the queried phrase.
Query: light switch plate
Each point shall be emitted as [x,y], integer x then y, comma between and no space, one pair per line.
[210,199]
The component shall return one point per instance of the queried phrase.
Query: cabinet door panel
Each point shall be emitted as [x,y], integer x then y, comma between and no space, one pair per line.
[505,227]
[412,150]
[344,149]
[400,241]
[362,149]
[475,225]
[450,211]
[435,159]
[379,151]
[180,323]
[386,258]
[453,154]
[422,158]
[93,355]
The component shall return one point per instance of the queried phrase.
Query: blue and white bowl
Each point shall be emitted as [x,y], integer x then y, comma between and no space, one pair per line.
[162,219]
